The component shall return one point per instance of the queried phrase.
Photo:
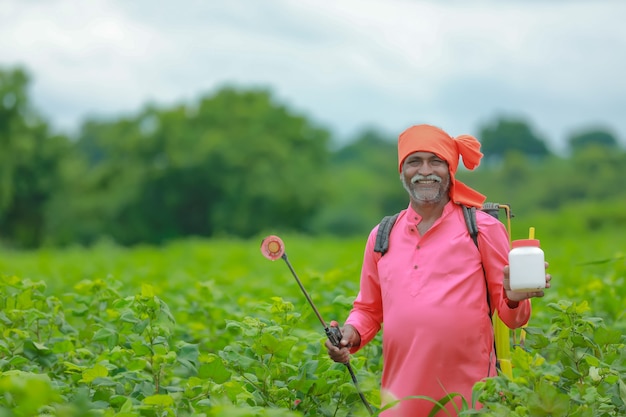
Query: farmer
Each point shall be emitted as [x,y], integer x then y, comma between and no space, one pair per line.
[429,289]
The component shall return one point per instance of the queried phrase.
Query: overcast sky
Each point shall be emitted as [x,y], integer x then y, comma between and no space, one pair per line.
[346,64]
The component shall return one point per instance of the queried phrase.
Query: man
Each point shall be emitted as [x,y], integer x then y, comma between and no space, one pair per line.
[429,289]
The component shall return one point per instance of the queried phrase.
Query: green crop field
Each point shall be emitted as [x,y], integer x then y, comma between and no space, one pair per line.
[212,328]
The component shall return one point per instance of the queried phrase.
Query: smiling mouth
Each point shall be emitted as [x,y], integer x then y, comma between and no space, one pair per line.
[427,183]
[425,180]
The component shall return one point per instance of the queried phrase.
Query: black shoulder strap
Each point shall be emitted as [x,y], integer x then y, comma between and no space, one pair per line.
[384,230]
[470,220]
[472,227]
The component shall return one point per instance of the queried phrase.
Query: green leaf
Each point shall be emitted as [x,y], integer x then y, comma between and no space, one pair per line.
[581,341]
[604,336]
[40,347]
[127,406]
[561,306]
[571,373]
[80,310]
[72,368]
[128,317]
[161,400]
[137,364]
[63,346]
[533,330]
[269,343]
[547,401]
[165,310]
[107,335]
[39,352]
[445,400]
[24,301]
[104,382]
[141,348]
[582,307]
[188,352]
[592,360]
[140,326]
[147,291]
[98,371]
[214,369]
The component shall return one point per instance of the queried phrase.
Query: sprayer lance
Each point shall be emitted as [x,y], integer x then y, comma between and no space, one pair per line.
[272,248]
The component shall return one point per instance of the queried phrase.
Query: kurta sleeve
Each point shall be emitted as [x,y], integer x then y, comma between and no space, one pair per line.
[493,242]
[367,312]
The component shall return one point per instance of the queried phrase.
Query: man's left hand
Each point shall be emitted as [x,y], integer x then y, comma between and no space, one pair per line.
[522,295]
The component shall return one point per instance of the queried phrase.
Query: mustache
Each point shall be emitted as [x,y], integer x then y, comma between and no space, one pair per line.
[431,177]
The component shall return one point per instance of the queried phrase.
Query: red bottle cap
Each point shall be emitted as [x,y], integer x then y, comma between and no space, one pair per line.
[525,242]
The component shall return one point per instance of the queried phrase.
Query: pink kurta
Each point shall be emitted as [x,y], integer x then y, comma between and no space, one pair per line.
[430,292]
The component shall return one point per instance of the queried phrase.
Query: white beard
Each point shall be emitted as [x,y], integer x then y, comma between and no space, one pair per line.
[430,194]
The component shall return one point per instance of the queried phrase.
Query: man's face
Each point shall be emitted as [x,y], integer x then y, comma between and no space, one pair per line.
[425,177]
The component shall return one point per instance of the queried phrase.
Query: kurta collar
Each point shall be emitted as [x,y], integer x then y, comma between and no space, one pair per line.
[413,219]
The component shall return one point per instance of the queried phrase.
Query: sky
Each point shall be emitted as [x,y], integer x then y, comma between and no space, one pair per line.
[348,65]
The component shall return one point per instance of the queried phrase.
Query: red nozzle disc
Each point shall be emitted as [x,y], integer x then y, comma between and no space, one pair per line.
[272,247]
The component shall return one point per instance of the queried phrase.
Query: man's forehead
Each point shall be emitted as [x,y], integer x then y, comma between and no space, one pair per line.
[423,155]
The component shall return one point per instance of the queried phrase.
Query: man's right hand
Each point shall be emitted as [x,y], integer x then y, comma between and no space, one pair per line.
[350,338]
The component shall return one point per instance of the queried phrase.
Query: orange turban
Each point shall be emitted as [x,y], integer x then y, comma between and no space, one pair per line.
[426,138]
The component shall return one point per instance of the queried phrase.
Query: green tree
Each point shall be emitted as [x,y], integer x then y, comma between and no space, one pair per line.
[588,137]
[365,186]
[29,159]
[234,163]
[506,135]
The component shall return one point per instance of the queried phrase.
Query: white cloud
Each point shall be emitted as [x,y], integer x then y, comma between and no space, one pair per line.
[347,64]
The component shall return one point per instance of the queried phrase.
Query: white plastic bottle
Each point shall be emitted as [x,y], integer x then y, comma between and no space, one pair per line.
[527,265]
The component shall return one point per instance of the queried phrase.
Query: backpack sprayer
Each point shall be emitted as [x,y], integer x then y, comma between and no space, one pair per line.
[272,248]
[501,331]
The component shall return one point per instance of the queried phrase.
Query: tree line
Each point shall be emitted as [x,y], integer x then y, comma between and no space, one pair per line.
[239,163]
